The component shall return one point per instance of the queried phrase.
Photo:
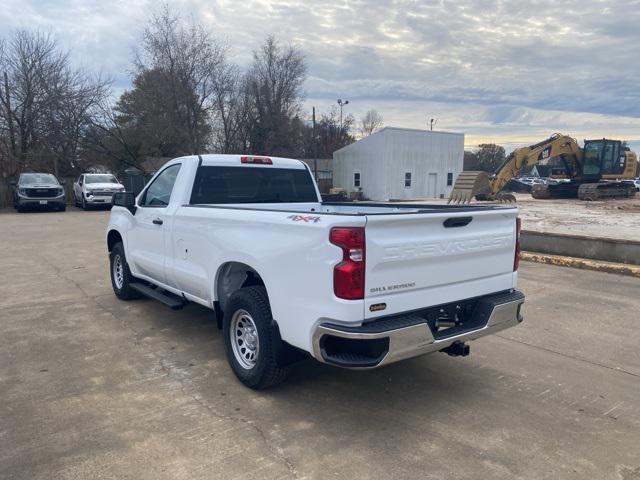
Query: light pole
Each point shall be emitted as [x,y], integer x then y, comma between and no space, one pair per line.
[433,121]
[315,145]
[342,103]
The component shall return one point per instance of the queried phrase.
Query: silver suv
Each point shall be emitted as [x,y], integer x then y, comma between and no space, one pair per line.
[38,190]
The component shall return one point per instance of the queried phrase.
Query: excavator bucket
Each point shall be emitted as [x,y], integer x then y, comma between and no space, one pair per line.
[468,185]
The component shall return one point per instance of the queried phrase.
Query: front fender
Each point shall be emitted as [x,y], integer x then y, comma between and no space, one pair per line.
[121,221]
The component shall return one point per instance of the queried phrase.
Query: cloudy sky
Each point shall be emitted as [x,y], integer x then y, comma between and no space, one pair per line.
[509,72]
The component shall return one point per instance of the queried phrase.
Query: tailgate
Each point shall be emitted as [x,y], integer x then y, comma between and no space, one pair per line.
[420,260]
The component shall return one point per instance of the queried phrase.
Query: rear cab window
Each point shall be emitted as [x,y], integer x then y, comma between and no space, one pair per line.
[241,184]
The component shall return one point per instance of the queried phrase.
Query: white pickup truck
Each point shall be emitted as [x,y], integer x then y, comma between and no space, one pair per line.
[356,285]
[95,189]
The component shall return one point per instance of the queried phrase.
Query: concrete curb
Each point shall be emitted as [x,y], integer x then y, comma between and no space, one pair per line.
[583,263]
[579,246]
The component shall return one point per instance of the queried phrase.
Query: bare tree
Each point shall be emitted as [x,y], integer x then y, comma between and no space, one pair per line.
[187,58]
[109,141]
[274,85]
[44,103]
[370,122]
[231,110]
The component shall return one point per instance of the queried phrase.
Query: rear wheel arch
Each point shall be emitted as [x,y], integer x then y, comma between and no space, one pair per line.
[232,276]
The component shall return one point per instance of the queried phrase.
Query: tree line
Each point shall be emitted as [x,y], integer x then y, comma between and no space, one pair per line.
[187,96]
[487,157]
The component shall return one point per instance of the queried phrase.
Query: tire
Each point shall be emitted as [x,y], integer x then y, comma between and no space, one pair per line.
[75,199]
[62,208]
[84,203]
[121,284]
[260,367]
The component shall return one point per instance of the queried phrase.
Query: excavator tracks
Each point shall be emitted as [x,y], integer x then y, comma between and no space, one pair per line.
[540,191]
[603,190]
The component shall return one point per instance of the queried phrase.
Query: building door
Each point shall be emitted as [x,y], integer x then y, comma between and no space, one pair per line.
[432,185]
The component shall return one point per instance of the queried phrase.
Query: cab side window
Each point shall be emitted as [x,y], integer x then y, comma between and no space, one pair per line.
[159,192]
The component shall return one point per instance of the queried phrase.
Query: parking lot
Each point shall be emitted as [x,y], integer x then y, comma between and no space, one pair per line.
[93,387]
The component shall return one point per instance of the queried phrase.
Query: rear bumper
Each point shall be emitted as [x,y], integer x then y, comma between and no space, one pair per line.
[390,339]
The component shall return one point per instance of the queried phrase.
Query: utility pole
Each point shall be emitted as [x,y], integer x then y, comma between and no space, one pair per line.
[315,145]
[432,122]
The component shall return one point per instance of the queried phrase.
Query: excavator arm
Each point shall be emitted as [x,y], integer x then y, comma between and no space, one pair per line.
[471,184]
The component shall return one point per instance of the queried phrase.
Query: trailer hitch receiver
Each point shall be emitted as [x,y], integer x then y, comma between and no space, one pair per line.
[457,349]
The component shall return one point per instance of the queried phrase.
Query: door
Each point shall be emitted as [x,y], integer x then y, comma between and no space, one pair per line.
[432,185]
[146,240]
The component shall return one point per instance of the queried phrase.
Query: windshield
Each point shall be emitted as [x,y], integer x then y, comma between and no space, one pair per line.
[100,179]
[35,178]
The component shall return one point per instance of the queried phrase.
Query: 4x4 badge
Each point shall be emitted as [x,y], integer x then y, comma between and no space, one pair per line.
[304,218]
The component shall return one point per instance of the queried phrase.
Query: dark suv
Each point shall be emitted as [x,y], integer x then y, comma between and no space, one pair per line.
[38,190]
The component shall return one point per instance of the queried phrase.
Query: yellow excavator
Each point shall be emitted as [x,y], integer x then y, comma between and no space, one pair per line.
[593,172]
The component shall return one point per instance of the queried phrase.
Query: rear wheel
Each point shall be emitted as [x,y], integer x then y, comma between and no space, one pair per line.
[252,341]
[121,278]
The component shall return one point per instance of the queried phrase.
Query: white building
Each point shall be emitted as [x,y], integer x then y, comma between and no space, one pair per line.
[400,163]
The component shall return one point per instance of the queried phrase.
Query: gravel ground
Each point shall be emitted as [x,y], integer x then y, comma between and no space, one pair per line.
[611,218]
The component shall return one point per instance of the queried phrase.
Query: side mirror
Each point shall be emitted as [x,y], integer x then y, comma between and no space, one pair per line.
[126,200]
[62,181]
[13,183]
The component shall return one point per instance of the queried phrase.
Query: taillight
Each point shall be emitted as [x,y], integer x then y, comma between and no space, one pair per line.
[256,160]
[516,258]
[348,275]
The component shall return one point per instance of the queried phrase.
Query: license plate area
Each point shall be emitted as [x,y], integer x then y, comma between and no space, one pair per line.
[43,202]
[453,319]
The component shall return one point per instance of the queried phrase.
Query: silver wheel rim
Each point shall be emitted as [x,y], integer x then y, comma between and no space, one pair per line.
[118,271]
[244,339]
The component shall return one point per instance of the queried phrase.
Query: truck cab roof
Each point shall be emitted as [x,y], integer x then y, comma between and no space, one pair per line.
[225,160]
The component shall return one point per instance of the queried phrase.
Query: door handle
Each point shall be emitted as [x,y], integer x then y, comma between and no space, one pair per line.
[158,221]
[457,222]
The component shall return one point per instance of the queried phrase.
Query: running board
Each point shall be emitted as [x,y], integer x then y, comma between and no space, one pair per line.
[170,300]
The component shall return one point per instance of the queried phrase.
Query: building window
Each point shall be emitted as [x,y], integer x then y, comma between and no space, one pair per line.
[407,180]
[449,179]
[356,179]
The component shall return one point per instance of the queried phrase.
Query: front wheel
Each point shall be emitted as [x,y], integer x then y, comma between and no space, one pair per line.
[251,339]
[121,278]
